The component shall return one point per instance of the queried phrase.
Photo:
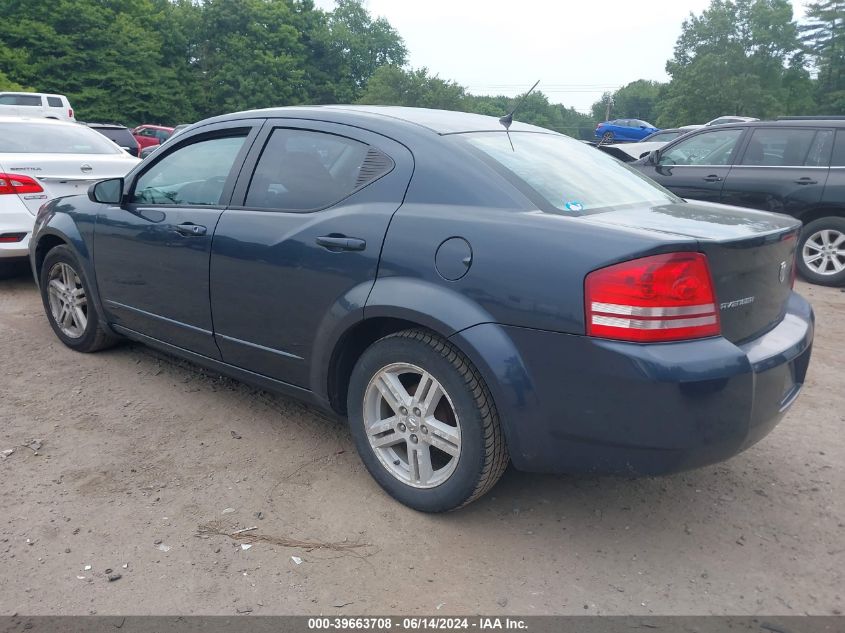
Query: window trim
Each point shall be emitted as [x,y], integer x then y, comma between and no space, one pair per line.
[204,133]
[250,166]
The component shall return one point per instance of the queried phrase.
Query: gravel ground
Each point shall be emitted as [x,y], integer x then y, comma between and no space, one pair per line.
[145,459]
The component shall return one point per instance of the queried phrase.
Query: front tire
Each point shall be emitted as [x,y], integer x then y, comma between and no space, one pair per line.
[821,252]
[607,137]
[66,295]
[424,422]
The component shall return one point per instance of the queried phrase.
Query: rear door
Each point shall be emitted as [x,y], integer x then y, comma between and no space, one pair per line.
[151,255]
[299,247]
[781,169]
[696,166]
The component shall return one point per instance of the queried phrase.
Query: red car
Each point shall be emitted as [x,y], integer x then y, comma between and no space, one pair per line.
[147,135]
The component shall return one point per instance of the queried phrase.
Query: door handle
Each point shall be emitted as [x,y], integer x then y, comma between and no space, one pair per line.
[337,243]
[712,178]
[806,180]
[189,229]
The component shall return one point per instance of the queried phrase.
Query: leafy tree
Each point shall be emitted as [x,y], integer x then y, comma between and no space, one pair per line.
[391,85]
[8,84]
[824,40]
[738,57]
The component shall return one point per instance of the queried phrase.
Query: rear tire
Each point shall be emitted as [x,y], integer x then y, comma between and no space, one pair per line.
[436,450]
[66,295]
[821,252]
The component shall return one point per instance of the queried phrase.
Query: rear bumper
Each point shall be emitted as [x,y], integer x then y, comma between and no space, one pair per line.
[582,405]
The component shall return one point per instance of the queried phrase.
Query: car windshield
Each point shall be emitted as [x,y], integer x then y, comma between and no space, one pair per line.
[46,138]
[571,176]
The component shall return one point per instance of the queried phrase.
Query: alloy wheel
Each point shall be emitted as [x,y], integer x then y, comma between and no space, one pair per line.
[824,252]
[412,425]
[68,303]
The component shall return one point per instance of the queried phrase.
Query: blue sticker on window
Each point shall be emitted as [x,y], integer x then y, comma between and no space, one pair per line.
[574,206]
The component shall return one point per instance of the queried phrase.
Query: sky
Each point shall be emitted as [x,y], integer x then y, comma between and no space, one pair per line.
[577,49]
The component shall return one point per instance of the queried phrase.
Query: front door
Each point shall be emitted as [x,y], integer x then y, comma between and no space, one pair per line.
[696,166]
[299,248]
[151,256]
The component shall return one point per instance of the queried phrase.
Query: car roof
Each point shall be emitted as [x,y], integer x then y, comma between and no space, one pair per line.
[155,127]
[116,126]
[31,119]
[789,123]
[438,121]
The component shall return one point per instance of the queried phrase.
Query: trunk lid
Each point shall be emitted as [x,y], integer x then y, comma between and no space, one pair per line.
[65,174]
[751,255]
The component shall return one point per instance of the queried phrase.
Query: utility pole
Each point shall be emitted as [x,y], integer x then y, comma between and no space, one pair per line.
[607,112]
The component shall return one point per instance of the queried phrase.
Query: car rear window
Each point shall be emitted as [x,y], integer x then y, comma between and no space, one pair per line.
[569,175]
[46,138]
[121,136]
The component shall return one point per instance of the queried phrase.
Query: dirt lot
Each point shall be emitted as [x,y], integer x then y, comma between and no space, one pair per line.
[140,450]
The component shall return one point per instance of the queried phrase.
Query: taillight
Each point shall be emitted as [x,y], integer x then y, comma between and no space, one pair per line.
[70,113]
[659,298]
[17,183]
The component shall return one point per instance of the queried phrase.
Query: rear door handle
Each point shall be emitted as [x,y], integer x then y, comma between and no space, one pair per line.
[806,180]
[712,178]
[338,243]
[189,229]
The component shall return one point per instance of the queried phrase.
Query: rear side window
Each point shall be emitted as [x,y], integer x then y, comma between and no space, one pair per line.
[21,100]
[303,170]
[192,175]
[569,175]
[707,148]
[774,147]
[54,102]
[838,158]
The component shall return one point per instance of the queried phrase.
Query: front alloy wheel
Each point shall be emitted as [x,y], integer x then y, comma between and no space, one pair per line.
[68,303]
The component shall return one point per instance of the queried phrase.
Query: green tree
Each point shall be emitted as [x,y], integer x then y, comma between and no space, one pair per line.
[738,57]
[391,85]
[8,84]
[824,39]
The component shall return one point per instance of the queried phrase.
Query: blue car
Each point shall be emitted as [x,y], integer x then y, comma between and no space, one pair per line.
[465,295]
[624,130]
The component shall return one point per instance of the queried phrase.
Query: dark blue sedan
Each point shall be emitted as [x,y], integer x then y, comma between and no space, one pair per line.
[624,130]
[466,296]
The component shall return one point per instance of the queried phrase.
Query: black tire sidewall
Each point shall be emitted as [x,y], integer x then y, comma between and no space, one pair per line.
[63,254]
[835,223]
[462,483]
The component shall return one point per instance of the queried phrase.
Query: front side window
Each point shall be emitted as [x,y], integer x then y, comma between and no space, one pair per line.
[301,170]
[707,148]
[571,176]
[194,174]
[772,147]
[46,138]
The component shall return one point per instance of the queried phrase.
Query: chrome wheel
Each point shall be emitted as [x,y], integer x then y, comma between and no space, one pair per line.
[412,425]
[68,303]
[824,252]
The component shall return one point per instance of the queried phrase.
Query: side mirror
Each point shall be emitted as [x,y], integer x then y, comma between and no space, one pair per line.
[654,157]
[107,191]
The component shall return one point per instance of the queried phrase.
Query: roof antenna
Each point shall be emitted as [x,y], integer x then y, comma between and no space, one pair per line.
[507,120]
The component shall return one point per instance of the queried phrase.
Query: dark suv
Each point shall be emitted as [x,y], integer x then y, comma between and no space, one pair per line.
[794,166]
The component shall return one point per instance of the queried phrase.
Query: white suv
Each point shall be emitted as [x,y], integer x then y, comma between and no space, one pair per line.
[35,104]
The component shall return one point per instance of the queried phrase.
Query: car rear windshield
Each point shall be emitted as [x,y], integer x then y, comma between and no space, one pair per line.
[571,176]
[46,138]
[120,135]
